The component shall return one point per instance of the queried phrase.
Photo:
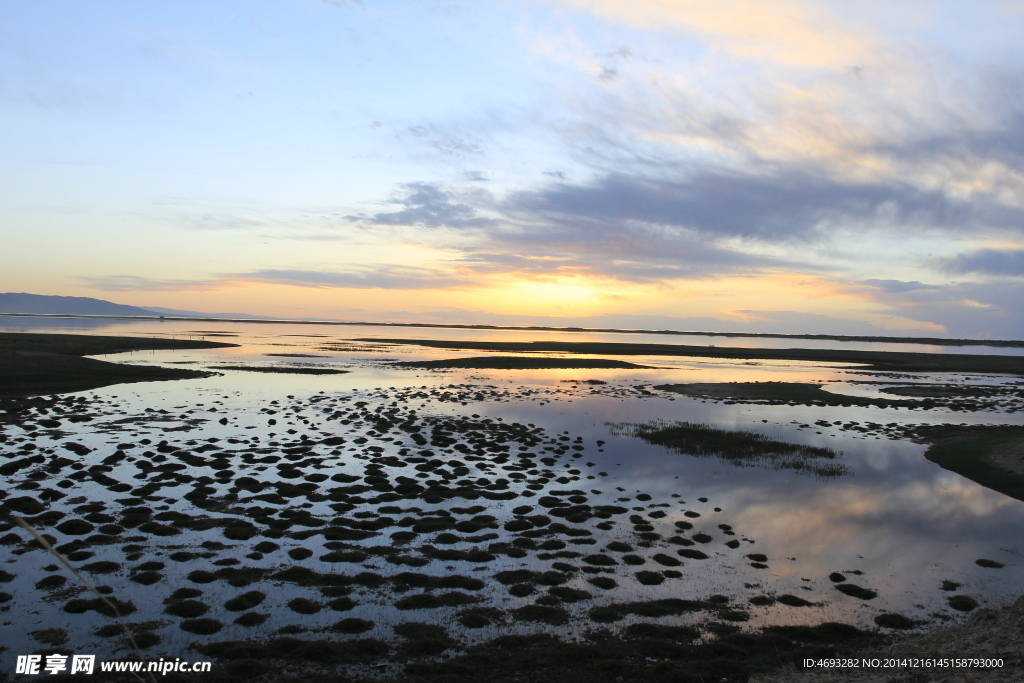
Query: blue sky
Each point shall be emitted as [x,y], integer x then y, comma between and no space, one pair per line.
[788,166]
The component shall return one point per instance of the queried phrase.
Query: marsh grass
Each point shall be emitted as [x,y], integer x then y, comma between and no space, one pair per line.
[739,448]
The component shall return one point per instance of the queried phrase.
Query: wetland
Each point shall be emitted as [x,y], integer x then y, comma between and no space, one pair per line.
[301,504]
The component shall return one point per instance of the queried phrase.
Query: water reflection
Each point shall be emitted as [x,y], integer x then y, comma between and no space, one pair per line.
[344,331]
[901,521]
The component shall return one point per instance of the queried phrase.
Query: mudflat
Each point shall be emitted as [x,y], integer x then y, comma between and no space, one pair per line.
[880,361]
[53,363]
[992,456]
[29,372]
[770,392]
[520,363]
[94,345]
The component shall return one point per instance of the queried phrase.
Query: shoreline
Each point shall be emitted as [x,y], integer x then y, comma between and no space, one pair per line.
[933,341]
[33,364]
[989,455]
[604,644]
[988,633]
[869,362]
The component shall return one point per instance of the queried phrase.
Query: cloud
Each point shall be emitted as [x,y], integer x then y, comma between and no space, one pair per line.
[378,277]
[222,221]
[132,283]
[1005,262]
[597,264]
[967,309]
[445,143]
[358,278]
[475,176]
[779,205]
[428,206]
[792,32]
[898,286]
[344,4]
[772,322]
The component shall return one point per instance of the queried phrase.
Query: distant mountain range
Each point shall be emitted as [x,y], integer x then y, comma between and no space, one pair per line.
[160,310]
[12,302]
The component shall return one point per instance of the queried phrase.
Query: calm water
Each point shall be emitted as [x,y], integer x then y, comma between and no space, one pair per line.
[901,521]
[345,331]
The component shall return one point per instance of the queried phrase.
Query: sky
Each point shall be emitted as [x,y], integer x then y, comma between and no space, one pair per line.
[800,166]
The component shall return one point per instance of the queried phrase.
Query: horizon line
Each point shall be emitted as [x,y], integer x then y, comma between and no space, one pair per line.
[935,341]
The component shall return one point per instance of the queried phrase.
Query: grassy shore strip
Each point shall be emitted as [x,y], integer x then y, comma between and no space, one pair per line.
[992,456]
[24,373]
[282,369]
[880,361]
[989,633]
[520,363]
[647,653]
[32,363]
[95,345]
